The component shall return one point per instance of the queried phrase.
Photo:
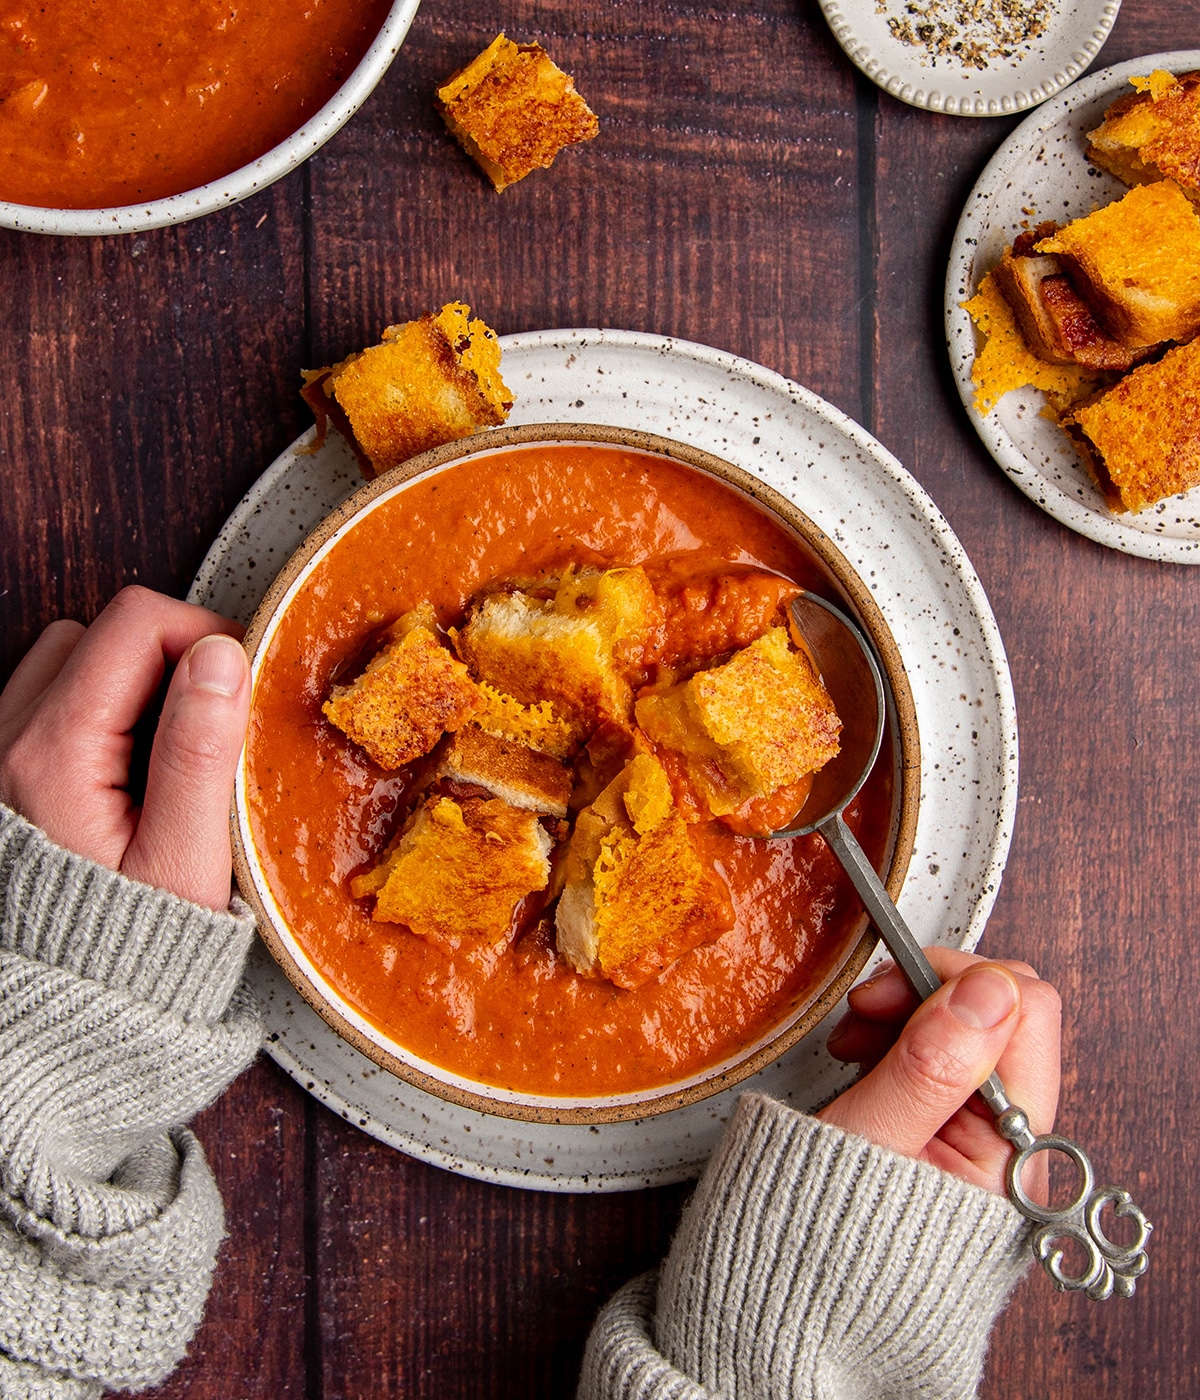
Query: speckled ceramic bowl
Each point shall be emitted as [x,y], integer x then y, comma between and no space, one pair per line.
[855,948]
[238,184]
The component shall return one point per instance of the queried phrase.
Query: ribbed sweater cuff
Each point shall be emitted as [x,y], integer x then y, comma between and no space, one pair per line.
[64,911]
[811,1263]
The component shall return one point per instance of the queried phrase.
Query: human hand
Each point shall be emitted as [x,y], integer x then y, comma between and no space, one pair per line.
[66,739]
[923,1062]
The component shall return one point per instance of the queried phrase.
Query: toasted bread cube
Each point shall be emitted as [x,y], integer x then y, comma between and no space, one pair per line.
[1153,134]
[516,774]
[428,382]
[1141,437]
[410,694]
[1005,361]
[458,871]
[526,648]
[1137,264]
[1055,321]
[760,722]
[637,897]
[512,109]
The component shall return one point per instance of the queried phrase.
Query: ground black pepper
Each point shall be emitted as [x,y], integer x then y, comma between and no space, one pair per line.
[969,31]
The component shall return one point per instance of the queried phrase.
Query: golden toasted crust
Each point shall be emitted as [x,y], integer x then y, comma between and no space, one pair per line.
[511,771]
[537,726]
[459,870]
[513,110]
[1005,361]
[409,695]
[1141,437]
[1153,134]
[525,647]
[758,723]
[637,896]
[1137,264]
[428,382]
[1055,321]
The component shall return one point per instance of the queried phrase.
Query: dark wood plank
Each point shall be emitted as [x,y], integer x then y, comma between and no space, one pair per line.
[253,1341]
[431,1284]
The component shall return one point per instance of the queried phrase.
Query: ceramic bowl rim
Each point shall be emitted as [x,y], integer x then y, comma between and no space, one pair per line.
[861,942]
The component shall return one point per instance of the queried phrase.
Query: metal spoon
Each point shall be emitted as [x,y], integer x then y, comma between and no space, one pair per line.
[852,677]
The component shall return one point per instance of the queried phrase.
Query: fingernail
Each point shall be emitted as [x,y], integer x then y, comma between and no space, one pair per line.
[217,663]
[882,971]
[983,997]
[840,1029]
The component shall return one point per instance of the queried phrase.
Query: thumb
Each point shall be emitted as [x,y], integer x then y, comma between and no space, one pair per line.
[182,839]
[947,1049]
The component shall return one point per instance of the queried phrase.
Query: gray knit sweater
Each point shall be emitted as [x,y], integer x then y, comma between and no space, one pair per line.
[809,1264]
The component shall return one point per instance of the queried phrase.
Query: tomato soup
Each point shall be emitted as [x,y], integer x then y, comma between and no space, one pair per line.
[320,811]
[111,102]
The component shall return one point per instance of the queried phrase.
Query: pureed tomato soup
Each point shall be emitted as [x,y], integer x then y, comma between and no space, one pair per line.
[111,102]
[320,811]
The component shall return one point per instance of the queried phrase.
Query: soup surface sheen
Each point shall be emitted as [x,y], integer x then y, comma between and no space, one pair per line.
[112,102]
[320,811]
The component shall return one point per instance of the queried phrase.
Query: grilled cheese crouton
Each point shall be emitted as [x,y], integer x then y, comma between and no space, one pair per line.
[761,722]
[1141,437]
[571,650]
[622,602]
[1137,264]
[1005,362]
[409,695]
[1056,322]
[428,382]
[516,774]
[637,896]
[458,871]
[1153,134]
[512,110]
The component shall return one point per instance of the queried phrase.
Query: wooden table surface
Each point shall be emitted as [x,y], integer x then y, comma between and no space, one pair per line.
[749,190]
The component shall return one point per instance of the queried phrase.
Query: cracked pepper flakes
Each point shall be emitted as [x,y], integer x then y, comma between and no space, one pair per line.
[969,31]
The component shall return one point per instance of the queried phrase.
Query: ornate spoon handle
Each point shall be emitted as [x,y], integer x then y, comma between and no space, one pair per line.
[1110,1268]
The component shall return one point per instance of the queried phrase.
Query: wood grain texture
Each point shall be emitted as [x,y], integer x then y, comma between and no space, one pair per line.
[750,191]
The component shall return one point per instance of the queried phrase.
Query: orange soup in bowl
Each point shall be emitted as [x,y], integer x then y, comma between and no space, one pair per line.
[130,101]
[516,1015]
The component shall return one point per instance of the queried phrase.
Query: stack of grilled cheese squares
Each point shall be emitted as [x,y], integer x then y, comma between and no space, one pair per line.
[544,771]
[1114,299]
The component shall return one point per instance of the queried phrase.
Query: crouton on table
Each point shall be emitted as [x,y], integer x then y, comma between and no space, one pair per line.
[513,109]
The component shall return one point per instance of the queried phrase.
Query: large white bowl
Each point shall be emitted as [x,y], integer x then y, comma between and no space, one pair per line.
[857,943]
[238,184]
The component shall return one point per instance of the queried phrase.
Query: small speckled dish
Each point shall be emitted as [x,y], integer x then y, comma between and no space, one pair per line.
[902,549]
[853,948]
[1026,75]
[238,184]
[1039,173]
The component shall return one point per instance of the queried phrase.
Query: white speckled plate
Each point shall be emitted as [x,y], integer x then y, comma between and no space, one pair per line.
[904,551]
[1041,172]
[1032,72]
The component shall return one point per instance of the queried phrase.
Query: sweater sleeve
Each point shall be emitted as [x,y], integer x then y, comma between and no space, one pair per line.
[812,1263]
[122,1014]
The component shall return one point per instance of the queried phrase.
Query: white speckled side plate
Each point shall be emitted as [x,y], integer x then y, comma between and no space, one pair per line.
[1041,172]
[902,548]
[1035,71]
